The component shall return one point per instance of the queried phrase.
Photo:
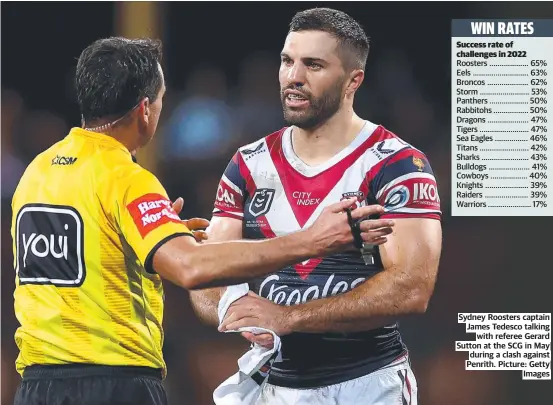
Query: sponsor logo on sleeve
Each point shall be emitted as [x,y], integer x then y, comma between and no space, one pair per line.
[150,211]
[414,194]
[226,197]
[397,197]
[425,194]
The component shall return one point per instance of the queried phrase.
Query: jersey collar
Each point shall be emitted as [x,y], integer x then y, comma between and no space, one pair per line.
[310,171]
[103,138]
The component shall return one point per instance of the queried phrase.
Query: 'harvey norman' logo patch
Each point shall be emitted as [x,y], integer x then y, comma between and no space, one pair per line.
[151,211]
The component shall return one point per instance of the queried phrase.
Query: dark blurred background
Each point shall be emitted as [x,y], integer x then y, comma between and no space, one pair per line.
[221,62]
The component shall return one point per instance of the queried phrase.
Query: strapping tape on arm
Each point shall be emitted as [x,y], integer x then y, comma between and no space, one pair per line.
[355,230]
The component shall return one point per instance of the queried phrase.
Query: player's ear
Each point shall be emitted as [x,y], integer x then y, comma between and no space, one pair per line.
[355,80]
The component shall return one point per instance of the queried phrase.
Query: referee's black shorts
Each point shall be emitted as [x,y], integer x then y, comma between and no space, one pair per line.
[90,385]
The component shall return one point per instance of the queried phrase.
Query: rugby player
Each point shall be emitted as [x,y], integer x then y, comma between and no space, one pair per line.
[337,314]
[94,233]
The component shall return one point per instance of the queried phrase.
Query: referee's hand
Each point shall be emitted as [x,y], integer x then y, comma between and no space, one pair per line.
[196,225]
[177,205]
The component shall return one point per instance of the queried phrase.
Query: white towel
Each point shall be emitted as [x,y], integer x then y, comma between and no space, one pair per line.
[244,387]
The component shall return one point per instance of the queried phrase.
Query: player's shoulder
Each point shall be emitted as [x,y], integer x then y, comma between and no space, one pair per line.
[385,147]
[261,146]
[386,142]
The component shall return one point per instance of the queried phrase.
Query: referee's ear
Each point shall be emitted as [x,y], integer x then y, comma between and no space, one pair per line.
[144,109]
[143,117]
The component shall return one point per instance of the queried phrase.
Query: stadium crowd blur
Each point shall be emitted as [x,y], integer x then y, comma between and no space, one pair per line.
[488,264]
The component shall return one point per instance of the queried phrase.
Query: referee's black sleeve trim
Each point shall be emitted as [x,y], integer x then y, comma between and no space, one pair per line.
[148,264]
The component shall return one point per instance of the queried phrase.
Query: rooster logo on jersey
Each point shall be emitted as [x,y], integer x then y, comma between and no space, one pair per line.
[418,162]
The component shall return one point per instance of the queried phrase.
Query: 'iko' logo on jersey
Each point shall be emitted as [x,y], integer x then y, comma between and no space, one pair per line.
[417,191]
[397,197]
[49,245]
[425,191]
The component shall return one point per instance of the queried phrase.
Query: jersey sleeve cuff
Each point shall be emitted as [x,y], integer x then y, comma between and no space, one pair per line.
[225,214]
[148,263]
[392,215]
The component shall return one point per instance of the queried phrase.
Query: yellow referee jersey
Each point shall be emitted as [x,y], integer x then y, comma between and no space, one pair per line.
[86,222]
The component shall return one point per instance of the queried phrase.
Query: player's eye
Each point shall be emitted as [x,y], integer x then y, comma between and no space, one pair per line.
[286,61]
[314,66]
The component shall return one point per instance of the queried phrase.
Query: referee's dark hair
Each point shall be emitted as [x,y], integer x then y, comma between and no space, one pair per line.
[351,37]
[115,74]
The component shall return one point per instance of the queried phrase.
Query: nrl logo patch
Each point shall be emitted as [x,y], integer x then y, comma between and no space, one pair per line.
[261,201]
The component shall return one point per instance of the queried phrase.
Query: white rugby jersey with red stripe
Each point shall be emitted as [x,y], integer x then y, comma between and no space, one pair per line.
[273,193]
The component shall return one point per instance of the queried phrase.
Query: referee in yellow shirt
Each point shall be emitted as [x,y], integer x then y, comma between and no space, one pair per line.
[93,233]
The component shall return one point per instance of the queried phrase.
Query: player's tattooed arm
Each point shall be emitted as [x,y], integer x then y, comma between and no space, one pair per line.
[410,259]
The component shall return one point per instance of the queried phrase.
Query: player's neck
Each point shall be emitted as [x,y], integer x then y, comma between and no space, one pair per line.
[318,145]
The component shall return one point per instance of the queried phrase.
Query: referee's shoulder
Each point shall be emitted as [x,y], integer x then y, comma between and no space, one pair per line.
[38,163]
[122,168]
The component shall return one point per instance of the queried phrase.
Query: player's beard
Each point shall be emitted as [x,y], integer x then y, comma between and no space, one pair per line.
[320,109]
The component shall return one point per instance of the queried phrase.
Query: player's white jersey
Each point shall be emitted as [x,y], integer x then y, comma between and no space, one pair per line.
[274,193]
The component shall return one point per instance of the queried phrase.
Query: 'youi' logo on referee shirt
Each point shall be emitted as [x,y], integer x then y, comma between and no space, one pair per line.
[49,245]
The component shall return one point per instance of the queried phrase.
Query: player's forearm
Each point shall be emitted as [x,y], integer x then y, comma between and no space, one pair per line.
[228,263]
[205,304]
[380,301]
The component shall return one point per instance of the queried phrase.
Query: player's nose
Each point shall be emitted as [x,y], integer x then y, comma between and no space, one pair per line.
[296,74]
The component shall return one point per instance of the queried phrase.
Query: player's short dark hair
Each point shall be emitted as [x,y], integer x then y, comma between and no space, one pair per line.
[349,33]
[114,74]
